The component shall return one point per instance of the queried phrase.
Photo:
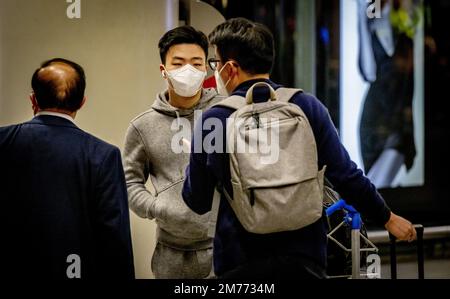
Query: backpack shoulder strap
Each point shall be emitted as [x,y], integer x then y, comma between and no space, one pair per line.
[214,214]
[233,102]
[218,191]
[285,94]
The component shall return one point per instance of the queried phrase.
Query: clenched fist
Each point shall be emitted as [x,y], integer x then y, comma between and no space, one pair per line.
[401,228]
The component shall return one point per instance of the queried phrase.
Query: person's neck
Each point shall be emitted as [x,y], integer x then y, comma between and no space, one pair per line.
[71,114]
[182,102]
[248,77]
[244,77]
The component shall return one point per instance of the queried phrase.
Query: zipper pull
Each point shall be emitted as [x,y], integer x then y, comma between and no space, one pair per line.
[256,118]
[252,197]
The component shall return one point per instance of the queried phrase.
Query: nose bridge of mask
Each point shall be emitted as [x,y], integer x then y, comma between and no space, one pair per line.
[187,75]
[186,69]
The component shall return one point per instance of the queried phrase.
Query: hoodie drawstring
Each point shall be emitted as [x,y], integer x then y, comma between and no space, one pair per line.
[178,119]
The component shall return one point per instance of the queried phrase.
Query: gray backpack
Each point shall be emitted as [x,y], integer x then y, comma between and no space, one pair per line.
[273,161]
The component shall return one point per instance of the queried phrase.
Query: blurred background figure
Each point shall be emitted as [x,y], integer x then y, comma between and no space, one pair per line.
[386,60]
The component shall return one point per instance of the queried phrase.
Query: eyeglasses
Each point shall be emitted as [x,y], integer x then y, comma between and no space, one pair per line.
[213,63]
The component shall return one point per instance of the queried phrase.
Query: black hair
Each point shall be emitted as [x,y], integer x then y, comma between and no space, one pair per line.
[66,94]
[182,35]
[250,44]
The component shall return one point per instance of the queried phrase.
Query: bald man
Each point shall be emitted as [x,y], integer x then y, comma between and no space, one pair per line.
[63,194]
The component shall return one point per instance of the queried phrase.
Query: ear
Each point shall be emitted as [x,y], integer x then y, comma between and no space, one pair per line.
[234,69]
[32,98]
[162,69]
[34,103]
[83,102]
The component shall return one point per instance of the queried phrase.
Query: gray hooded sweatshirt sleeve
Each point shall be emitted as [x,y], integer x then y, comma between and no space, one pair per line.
[148,155]
[137,170]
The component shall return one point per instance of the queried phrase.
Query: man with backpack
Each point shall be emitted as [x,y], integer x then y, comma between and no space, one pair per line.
[270,222]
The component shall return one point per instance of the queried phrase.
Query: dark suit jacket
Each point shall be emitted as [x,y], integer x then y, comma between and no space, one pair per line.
[62,192]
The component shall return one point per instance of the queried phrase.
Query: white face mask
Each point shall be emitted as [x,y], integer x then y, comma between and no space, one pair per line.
[221,87]
[186,81]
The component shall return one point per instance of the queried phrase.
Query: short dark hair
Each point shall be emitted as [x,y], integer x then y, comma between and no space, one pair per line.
[182,35]
[66,94]
[250,44]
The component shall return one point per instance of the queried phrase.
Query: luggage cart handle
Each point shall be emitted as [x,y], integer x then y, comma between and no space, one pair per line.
[353,217]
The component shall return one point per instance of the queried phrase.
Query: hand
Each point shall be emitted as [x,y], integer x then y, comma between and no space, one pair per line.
[401,228]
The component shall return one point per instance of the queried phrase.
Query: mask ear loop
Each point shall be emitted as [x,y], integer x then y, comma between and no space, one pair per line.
[165,75]
[226,84]
[229,79]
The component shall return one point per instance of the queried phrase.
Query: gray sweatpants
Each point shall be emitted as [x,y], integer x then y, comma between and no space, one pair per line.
[171,263]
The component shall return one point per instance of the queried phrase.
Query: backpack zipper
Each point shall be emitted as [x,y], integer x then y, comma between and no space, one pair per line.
[252,197]
[255,116]
[265,125]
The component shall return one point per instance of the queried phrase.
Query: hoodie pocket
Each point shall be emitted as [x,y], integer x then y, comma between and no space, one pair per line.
[176,218]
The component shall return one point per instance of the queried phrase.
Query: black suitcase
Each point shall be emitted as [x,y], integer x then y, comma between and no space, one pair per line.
[420,257]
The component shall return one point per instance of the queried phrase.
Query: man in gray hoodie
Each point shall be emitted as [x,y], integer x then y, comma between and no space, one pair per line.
[151,151]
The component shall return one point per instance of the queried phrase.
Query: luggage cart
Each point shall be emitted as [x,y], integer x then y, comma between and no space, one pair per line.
[353,219]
